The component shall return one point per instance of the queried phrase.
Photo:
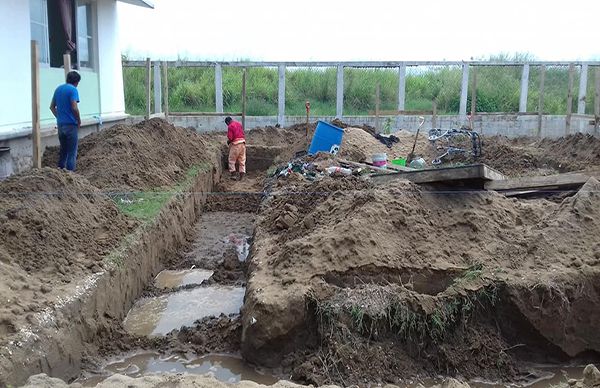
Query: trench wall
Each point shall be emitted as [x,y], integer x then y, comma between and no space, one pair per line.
[57,345]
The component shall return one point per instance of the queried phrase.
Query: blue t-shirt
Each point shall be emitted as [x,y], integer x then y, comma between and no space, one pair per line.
[63,96]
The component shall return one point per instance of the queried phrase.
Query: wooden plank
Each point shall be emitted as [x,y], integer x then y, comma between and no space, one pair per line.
[165,86]
[148,89]
[35,105]
[434,114]
[401,112]
[244,99]
[367,166]
[444,174]
[558,180]
[541,99]
[570,98]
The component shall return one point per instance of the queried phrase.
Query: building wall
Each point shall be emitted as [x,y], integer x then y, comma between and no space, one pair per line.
[15,67]
[112,99]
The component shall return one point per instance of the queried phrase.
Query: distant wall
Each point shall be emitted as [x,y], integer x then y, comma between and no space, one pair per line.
[511,125]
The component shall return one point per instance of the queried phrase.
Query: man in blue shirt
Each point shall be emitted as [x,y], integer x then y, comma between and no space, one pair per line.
[64,108]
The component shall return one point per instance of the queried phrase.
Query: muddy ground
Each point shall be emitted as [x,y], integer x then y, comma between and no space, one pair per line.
[348,283]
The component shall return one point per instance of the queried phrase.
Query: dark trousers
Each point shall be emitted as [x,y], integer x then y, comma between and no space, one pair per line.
[68,137]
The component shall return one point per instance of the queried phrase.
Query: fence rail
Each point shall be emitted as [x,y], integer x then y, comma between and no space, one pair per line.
[445,87]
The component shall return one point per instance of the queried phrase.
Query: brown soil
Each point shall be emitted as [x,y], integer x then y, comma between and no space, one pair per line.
[55,227]
[313,251]
[144,156]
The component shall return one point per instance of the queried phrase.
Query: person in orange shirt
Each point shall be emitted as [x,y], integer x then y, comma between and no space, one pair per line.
[236,140]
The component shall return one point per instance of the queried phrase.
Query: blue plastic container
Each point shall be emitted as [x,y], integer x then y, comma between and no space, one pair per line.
[327,138]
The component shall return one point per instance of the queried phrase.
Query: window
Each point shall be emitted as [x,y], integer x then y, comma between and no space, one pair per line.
[85,40]
[38,14]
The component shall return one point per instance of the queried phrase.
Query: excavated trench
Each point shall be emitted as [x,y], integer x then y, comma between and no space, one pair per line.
[180,312]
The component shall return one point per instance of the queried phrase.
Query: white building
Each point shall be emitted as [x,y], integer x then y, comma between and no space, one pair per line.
[88,30]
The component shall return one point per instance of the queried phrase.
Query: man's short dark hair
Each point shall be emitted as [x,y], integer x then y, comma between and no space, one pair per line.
[73,77]
[227,120]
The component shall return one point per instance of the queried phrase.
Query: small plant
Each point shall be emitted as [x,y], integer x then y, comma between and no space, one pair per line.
[387,126]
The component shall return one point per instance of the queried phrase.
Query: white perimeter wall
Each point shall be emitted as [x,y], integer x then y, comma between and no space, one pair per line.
[15,66]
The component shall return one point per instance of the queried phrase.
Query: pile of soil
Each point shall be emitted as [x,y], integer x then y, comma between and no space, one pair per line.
[147,155]
[55,228]
[443,252]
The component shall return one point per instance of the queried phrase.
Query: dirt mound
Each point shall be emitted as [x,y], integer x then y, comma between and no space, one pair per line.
[462,265]
[147,155]
[573,152]
[55,227]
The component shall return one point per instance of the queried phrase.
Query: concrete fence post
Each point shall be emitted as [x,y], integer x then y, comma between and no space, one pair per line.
[583,78]
[464,90]
[570,98]
[401,87]
[524,89]
[339,110]
[157,88]
[281,97]
[148,86]
[218,88]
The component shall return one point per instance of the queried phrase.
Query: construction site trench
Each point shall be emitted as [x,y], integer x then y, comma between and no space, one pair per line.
[150,260]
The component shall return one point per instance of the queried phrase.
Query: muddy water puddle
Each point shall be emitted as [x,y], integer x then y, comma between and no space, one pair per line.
[174,279]
[159,315]
[226,368]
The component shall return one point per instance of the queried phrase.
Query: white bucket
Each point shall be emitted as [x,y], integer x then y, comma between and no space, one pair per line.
[379,159]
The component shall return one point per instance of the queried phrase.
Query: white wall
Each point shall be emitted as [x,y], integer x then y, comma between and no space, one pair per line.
[15,68]
[112,98]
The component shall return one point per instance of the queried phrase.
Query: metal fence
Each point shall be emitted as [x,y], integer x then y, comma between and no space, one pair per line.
[363,88]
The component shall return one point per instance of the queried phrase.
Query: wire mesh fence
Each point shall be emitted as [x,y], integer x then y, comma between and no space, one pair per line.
[371,89]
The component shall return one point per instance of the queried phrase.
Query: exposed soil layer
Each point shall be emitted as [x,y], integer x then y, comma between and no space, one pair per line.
[55,228]
[533,262]
[148,155]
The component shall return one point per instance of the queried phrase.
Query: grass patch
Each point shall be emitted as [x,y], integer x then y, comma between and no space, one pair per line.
[143,205]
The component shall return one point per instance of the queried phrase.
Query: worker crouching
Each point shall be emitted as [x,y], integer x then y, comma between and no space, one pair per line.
[236,140]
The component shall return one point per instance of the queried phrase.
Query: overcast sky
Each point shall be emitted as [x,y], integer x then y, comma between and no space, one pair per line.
[283,30]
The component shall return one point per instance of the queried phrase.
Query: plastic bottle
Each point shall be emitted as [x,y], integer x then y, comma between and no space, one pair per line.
[338,170]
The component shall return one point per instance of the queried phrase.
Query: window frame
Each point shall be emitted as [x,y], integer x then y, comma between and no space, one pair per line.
[45,26]
[93,28]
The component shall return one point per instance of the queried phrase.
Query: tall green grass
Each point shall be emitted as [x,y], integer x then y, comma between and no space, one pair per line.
[498,89]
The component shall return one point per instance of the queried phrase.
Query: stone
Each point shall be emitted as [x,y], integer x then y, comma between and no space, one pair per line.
[591,376]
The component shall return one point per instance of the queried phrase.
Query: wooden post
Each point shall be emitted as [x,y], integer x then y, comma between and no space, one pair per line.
[524,89]
[148,88]
[244,98]
[582,89]
[570,98]
[377,102]
[35,105]
[474,94]
[597,100]
[165,87]
[67,64]
[434,114]
[401,87]
[541,99]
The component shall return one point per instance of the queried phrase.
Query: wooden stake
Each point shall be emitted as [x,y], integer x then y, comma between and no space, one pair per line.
[148,88]
[541,99]
[434,114]
[165,87]
[570,98]
[244,98]
[597,100]
[35,105]
[377,102]
[67,64]
[474,94]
